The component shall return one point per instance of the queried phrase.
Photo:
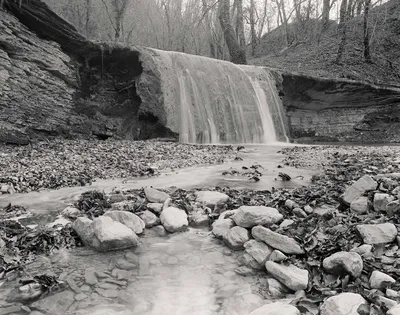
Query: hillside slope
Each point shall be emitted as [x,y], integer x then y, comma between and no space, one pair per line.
[314,53]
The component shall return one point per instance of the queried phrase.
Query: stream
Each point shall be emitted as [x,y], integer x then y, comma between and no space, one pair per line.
[184,273]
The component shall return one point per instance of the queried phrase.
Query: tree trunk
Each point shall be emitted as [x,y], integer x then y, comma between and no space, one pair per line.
[240,24]
[367,52]
[253,28]
[326,8]
[237,55]
[345,11]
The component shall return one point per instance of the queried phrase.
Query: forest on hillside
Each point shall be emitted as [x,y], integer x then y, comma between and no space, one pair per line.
[318,36]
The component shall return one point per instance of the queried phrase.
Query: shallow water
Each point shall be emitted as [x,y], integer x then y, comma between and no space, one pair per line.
[185,273]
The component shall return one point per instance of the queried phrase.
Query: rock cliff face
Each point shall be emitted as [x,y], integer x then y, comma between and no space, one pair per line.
[339,110]
[53,82]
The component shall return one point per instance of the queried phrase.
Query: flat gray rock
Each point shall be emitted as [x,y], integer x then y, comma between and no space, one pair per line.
[211,198]
[128,219]
[284,243]
[258,250]
[154,195]
[377,233]
[289,275]
[359,188]
[249,216]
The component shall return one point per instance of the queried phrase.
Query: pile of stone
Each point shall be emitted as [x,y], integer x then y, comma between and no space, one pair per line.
[259,232]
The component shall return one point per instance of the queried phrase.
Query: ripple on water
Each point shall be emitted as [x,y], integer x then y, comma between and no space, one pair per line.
[186,273]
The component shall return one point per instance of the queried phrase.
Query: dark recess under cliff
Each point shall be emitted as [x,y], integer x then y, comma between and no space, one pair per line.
[105,101]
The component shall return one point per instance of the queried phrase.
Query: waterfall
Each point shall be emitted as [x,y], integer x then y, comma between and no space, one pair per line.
[213,101]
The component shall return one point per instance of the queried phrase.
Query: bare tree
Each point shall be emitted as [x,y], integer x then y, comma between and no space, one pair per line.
[367,52]
[345,13]
[116,16]
[326,8]
[237,54]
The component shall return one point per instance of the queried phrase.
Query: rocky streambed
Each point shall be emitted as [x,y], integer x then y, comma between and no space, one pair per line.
[328,246]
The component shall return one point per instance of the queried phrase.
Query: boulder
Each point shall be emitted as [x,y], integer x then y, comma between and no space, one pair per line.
[155,207]
[112,235]
[380,280]
[236,237]
[343,263]
[342,304]
[359,205]
[382,233]
[381,201]
[129,219]
[359,188]
[249,216]
[154,195]
[84,228]
[221,226]
[308,209]
[276,308]
[289,275]
[149,218]
[174,219]
[284,243]
[211,198]
[71,213]
[258,250]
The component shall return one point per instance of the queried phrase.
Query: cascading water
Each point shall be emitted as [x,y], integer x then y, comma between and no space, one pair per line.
[213,101]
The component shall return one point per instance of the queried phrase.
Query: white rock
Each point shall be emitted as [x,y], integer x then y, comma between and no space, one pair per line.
[112,235]
[394,310]
[377,233]
[359,188]
[359,205]
[258,250]
[155,207]
[154,195]
[291,276]
[342,263]
[71,213]
[381,201]
[149,218]
[380,280]
[211,198]
[342,304]
[221,226]
[174,219]
[276,308]
[285,244]
[249,216]
[4,189]
[129,219]
[236,237]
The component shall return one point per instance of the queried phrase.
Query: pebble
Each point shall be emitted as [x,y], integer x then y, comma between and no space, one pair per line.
[285,223]
[300,213]
[90,277]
